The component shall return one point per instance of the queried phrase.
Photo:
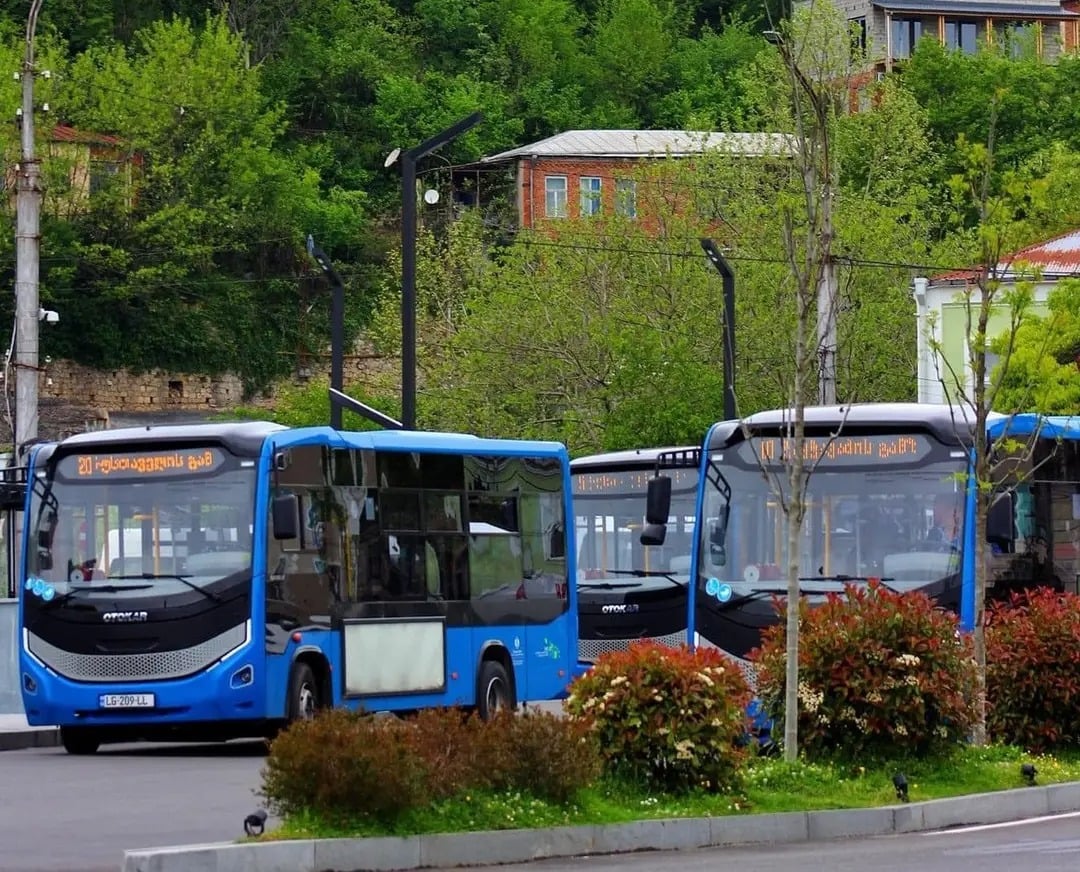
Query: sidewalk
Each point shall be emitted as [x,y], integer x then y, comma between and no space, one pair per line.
[16,734]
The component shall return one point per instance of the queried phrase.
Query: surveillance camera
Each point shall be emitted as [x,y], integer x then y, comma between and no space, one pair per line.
[49,316]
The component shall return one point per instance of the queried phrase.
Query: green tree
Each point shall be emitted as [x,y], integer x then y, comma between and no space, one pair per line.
[197,261]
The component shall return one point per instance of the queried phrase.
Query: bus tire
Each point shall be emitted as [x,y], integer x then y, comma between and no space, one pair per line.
[303,693]
[494,690]
[79,741]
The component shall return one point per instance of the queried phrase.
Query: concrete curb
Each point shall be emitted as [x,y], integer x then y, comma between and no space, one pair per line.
[445,850]
[33,737]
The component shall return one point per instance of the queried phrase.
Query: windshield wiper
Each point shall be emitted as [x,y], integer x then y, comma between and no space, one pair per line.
[209,594]
[646,573]
[844,577]
[95,588]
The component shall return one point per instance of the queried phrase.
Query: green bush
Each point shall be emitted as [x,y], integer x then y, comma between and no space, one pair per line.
[670,718]
[881,674]
[341,764]
[1033,670]
[542,754]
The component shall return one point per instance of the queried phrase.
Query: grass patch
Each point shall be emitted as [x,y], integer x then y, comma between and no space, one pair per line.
[768,786]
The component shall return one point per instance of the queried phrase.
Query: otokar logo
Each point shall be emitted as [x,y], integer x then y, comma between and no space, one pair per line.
[624,609]
[125,617]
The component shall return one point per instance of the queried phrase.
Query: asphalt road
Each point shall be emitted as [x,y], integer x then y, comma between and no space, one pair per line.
[1047,845]
[78,814]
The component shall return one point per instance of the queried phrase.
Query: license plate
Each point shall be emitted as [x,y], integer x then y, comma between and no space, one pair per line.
[126,700]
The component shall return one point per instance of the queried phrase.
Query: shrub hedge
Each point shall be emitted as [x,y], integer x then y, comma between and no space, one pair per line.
[1033,670]
[344,764]
[881,673]
[671,718]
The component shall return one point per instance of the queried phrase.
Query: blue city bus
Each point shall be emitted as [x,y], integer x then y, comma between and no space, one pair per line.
[890,497]
[217,581]
[628,591]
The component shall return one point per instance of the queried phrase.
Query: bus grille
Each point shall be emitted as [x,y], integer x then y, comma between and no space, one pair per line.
[137,667]
[591,649]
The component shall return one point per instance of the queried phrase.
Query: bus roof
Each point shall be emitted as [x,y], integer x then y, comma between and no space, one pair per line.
[240,437]
[633,458]
[949,424]
[247,438]
[418,440]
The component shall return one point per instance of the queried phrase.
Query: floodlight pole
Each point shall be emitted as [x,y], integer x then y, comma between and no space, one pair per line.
[408,260]
[728,277]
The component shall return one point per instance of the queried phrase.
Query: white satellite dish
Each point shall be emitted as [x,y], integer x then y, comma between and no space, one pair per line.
[431,196]
[393,156]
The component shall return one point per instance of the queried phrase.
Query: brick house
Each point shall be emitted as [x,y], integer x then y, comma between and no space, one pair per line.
[891,29]
[582,173]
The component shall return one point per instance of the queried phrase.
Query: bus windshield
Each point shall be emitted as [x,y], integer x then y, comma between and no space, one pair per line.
[170,526]
[898,522]
[609,514]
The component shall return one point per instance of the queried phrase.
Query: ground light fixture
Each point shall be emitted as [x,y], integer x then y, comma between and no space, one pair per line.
[900,783]
[255,823]
[1028,771]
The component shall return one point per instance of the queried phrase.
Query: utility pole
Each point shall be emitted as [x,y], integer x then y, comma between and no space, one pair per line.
[826,309]
[27,249]
[826,288]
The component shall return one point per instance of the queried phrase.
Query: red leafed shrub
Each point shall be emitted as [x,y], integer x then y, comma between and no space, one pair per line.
[672,718]
[881,674]
[342,763]
[1033,670]
[539,753]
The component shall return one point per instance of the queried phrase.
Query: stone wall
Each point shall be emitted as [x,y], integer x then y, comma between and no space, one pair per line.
[120,390]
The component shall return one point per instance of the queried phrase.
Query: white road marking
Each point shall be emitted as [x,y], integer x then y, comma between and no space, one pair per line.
[979,827]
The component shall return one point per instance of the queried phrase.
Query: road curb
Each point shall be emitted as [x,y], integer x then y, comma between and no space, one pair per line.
[39,737]
[445,850]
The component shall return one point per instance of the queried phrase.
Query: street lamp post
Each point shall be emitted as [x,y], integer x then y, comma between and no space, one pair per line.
[409,159]
[338,398]
[728,277]
[337,327]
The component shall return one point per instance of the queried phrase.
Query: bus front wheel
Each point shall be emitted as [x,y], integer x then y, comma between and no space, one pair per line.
[495,693]
[78,741]
[303,693]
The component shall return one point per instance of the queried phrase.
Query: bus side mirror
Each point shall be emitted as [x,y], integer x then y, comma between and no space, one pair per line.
[717,537]
[657,510]
[46,531]
[285,512]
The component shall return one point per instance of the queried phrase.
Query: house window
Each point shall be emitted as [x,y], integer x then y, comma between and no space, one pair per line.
[590,195]
[626,198]
[102,174]
[906,33]
[858,37]
[1018,38]
[555,196]
[962,36]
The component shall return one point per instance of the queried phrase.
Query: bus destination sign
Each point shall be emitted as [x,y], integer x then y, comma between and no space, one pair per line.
[142,464]
[629,481]
[843,450]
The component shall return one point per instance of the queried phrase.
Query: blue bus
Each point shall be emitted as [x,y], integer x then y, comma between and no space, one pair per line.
[216,581]
[628,591]
[890,497]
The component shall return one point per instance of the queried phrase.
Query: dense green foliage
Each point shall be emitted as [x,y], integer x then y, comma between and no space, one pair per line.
[881,674]
[254,124]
